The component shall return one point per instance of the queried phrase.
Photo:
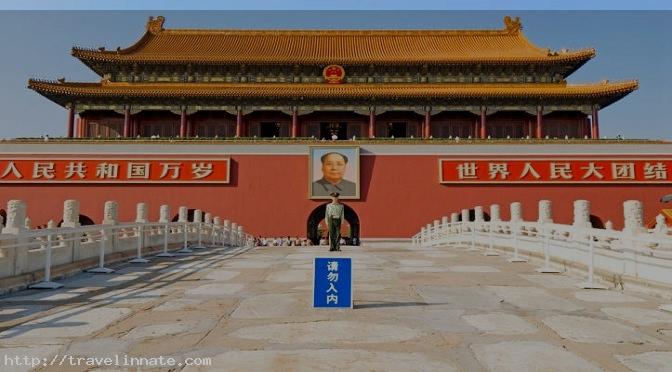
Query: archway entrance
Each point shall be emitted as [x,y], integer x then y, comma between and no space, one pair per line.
[317,227]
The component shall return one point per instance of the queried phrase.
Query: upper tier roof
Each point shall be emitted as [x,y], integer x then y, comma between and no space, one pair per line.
[503,46]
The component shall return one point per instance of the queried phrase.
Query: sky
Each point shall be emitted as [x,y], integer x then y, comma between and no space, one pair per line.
[629,44]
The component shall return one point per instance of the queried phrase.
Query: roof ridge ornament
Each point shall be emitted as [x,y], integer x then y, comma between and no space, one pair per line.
[155,25]
[513,25]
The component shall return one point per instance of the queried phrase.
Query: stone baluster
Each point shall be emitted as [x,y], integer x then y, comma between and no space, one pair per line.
[234,234]
[241,236]
[582,214]
[16,217]
[183,217]
[516,212]
[227,232]
[216,232]
[111,213]
[70,213]
[141,213]
[495,216]
[164,217]
[545,212]
[71,219]
[495,213]
[633,212]
[164,213]
[27,223]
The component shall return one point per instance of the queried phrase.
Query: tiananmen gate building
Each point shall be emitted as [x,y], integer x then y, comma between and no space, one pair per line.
[238,122]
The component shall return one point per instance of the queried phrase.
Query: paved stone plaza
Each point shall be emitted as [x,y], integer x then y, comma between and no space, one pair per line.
[416,309]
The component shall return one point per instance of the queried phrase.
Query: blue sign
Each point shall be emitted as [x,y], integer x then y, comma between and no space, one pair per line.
[332,283]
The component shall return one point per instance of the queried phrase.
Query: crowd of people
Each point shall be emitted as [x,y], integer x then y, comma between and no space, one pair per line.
[286,241]
[281,241]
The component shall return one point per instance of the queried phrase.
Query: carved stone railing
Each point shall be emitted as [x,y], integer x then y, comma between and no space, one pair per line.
[25,251]
[643,256]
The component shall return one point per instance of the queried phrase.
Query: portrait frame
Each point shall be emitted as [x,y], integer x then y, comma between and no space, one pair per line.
[315,174]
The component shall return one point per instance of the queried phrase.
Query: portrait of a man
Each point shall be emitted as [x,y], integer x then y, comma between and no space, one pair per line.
[334,169]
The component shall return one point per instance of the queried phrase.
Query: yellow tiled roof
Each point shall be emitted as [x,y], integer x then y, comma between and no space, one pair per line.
[507,45]
[322,90]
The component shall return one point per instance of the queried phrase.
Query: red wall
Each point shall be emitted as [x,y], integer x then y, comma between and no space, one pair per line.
[268,196]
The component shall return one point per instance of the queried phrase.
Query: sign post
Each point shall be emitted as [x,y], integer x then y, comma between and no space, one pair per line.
[332,282]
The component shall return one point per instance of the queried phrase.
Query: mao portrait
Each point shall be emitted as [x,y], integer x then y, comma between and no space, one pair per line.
[334,169]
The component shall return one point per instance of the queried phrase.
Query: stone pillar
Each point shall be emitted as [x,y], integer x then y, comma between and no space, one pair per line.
[494,213]
[241,236]
[582,214]
[141,213]
[454,217]
[239,122]
[516,212]
[110,213]
[164,213]
[484,132]
[295,123]
[27,223]
[465,215]
[545,212]
[208,218]
[183,122]
[183,214]
[478,214]
[444,220]
[633,212]
[233,238]
[198,215]
[227,232]
[428,123]
[70,213]
[372,123]
[71,120]
[540,114]
[127,122]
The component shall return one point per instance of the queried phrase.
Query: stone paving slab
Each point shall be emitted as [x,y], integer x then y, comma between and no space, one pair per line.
[415,309]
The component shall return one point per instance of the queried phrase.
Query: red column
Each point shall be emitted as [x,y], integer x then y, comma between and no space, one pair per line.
[71,120]
[428,124]
[190,129]
[539,121]
[530,130]
[483,131]
[239,122]
[295,123]
[372,123]
[78,128]
[127,122]
[596,124]
[183,123]
[135,128]
[475,129]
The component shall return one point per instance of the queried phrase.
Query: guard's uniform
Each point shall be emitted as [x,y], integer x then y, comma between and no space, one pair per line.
[333,216]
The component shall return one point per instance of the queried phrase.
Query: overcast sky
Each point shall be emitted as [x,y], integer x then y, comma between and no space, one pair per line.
[630,44]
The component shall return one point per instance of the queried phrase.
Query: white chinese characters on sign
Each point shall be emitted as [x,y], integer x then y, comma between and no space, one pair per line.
[332,277]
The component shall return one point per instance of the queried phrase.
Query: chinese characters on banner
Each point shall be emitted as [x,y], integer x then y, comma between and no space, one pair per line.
[503,170]
[332,285]
[167,170]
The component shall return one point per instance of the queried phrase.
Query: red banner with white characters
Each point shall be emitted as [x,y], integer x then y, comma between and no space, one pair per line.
[574,170]
[111,170]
